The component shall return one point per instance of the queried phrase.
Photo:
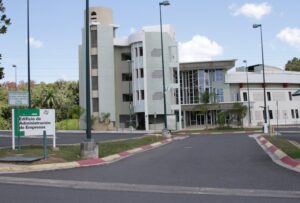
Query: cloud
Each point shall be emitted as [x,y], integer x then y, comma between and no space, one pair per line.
[250,10]
[200,48]
[291,36]
[35,43]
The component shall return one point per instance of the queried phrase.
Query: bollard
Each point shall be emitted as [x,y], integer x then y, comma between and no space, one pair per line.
[45,145]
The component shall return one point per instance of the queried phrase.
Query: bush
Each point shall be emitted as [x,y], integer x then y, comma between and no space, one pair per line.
[4,124]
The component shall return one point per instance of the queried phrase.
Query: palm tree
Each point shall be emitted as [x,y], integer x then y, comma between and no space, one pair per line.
[240,111]
[106,119]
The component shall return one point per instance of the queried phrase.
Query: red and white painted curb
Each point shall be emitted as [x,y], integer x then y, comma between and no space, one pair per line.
[277,155]
[121,155]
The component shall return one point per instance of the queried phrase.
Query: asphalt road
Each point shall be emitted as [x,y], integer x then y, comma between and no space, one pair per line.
[291,133]
[67,138]
[219,162]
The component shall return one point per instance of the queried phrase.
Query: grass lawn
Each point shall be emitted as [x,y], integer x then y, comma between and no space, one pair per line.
[285,146]
[72,152]
[69,124]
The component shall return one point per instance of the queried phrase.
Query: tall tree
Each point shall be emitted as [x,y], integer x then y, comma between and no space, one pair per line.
[4,22]
[293,65]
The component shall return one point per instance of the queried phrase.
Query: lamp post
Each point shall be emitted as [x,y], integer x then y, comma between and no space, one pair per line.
[246,69]
[28,57]
[87,66]
[264,81]
[163,3]
[16,82]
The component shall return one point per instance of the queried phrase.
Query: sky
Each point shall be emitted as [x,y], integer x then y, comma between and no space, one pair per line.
[205,30]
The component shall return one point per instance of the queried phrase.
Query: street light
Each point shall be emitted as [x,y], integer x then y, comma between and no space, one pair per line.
[87,64]
[264,81]
[28,56]
[246,69]
[164,3]
[16,82]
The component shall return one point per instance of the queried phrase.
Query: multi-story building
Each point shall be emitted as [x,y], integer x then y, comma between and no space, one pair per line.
[282,107]
[126,74]
[197,78]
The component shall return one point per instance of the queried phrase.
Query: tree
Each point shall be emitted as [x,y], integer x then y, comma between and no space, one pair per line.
[106,119]
[240,111]
[4,21]
[293,65]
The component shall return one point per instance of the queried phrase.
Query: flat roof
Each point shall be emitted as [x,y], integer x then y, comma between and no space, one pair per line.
[222,64]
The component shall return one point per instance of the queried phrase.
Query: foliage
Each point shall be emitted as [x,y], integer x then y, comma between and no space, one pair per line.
[63,96]
[222,119]
[1,69]
[4,20]
[293,65]
[240,111]
[68,124]
[106,119]
[205,98]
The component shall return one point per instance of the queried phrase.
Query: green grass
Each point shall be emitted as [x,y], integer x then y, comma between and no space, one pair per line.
[72,152]
[285,146]
[109,148]
[69,124]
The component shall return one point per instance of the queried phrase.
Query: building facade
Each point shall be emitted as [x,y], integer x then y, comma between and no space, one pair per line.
[282,107]
[126,75]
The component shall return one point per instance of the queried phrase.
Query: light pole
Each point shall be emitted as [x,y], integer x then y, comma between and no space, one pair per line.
[246,69]
[87,66]
[264,81]
[28,56]
[164,3]
[16,82]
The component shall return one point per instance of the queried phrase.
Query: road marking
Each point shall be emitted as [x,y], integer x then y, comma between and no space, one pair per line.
[165,189]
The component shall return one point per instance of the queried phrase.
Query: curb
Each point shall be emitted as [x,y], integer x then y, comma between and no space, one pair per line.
[278,156]
[13,168]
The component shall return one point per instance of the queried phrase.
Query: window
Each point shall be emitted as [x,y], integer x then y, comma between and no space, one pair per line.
[136,51]
[94,83]
[270,114]
[142,95]
[290,96]
[219,95]
[137,95]
[93,13]
[94,38]
[127,97]
[137,73]
[125,56]
[269,96]
[292,112]
[297,114]
[245,96]
[141,72]
[141,51]
[126,77]
[219,75]
[94,60]
[95,105]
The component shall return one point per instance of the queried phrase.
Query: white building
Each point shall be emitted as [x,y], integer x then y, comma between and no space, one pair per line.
[126,74]
[282,107]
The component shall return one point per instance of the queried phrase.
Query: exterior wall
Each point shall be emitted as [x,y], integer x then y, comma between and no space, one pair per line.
[280,96]
[122,87]
[106,72]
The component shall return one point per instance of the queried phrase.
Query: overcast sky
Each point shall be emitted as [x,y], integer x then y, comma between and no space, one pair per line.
[205,30]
